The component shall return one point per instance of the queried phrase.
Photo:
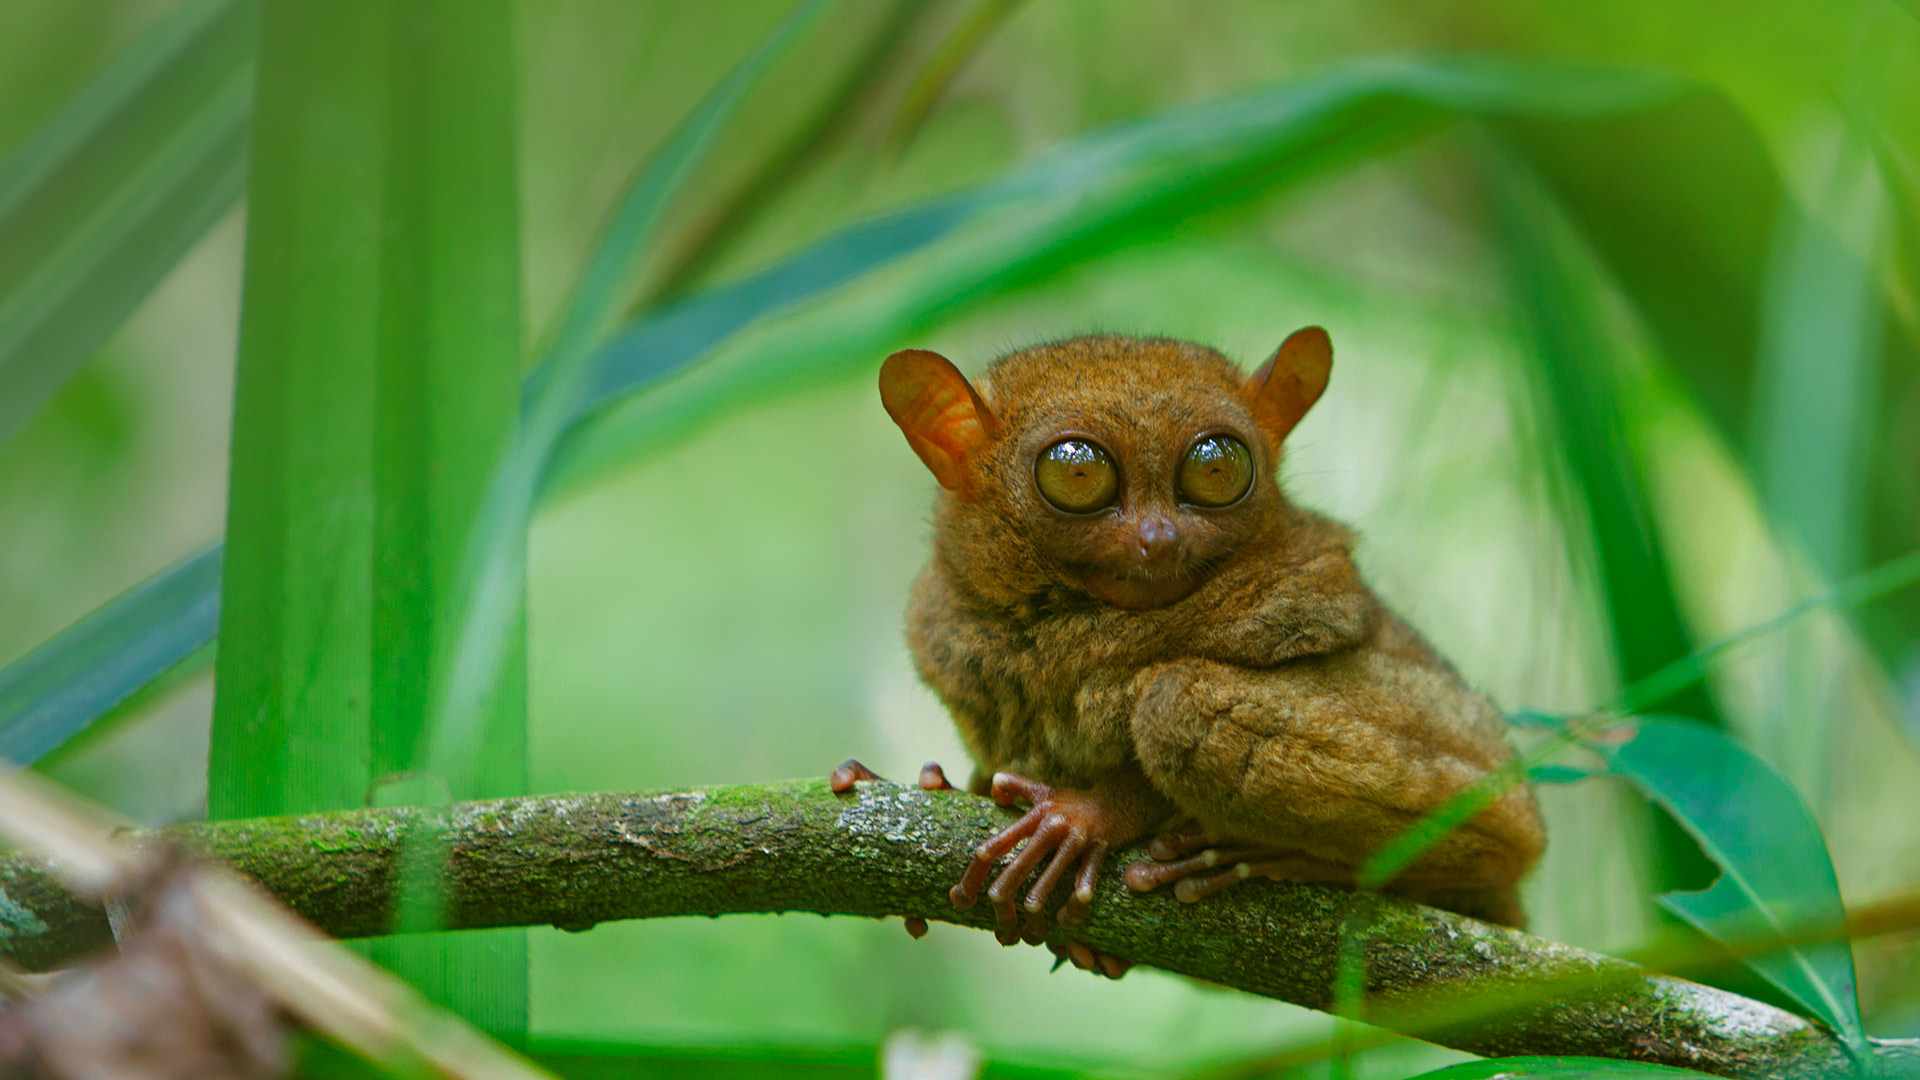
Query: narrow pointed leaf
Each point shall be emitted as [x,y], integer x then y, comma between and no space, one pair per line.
[53,693]
[494,576]
[1072,201]
[1775,873]
[1174,154]
[1559,1068]
[1816,377]
[110,193]
[378,382]
[1573,368]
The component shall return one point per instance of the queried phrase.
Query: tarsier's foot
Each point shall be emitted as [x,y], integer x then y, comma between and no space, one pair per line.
[932,778]
[1064,827]
[1200,865]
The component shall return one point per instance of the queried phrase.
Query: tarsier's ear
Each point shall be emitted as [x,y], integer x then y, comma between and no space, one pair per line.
[943,417]
[1288,384]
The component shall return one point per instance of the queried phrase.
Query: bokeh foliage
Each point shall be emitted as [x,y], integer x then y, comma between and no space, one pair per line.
[1626,363]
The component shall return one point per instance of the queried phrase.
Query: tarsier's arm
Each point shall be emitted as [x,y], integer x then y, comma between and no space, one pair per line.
[1332,757]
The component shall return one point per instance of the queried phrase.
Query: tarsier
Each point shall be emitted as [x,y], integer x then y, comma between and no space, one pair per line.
[1139,635]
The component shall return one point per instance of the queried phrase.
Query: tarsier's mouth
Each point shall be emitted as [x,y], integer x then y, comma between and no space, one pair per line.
[1144,586]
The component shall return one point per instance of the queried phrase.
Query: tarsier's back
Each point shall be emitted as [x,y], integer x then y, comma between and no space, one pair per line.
[1136,631]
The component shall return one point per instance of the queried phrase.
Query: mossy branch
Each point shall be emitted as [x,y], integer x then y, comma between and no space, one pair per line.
[576,860]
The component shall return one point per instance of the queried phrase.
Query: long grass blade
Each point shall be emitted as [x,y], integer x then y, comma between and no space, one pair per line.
[930,84]
[1575,375]
[1075,200]
[798,151]
[378,383]
[610,419]
[53,693]
[111,192]
[1814,390]
[494,577]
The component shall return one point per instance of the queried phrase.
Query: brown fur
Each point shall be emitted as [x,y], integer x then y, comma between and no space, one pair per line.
[1272,700]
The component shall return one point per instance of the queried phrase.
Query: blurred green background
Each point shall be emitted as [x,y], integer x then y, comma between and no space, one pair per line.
[1584,371]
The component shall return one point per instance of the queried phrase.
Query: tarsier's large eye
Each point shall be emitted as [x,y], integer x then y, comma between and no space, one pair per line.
[1217,471]
[1076,476]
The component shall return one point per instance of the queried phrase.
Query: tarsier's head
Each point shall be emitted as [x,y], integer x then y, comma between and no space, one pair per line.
[1122,468]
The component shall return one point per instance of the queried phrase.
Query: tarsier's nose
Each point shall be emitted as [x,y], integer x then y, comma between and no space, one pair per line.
[1158,542]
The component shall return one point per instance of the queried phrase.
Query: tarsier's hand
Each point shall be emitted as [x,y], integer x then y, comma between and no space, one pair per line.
[1070,826]
[1064,827]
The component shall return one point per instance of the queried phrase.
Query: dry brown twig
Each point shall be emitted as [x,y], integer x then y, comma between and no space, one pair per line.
[211,971]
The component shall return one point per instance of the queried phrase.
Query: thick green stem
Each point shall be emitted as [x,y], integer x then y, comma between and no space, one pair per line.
[576,860]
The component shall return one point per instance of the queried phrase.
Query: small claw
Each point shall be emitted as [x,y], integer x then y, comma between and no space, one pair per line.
[916,927]
[841,780]
[934,778]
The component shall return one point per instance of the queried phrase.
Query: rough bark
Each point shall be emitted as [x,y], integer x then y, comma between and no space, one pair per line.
[576,860]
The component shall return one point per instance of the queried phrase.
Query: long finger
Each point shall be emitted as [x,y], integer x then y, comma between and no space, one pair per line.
[1063,860]
[1200,886]
[1074,911]
[1033,928]
[1041,844]
[1147,876]
[989,852]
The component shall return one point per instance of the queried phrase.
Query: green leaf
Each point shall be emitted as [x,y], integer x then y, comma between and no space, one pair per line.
[1817,371]
[53,693]
[100,202]
[1574,369]
[493,578]
[1575,372]
[937,73]
[1687,212]
[1677,205]
[1776,876]
[1559,1068]
[1276,131]
[1075,200]
[378,383]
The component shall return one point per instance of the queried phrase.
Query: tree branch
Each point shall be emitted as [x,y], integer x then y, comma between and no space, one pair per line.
[576,860]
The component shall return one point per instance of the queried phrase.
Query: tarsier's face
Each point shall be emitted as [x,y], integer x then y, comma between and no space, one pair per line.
[1134,502]
[1123,468]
